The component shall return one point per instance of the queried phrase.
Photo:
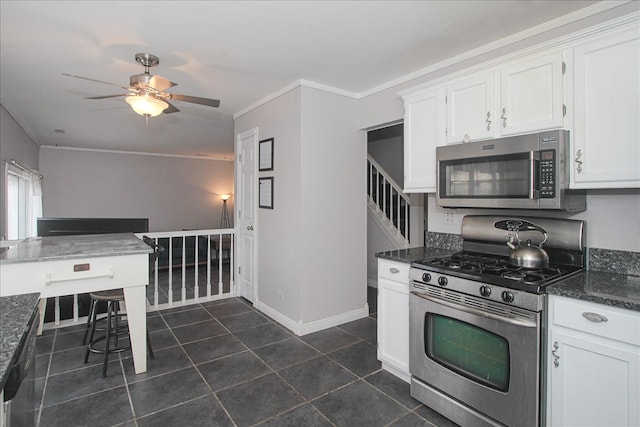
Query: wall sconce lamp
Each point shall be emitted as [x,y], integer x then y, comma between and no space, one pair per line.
[224,219]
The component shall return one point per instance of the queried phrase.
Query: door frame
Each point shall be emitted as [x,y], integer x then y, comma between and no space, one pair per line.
[254,134]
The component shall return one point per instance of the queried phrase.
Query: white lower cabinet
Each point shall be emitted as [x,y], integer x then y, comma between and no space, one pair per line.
[593,364]
[393,317]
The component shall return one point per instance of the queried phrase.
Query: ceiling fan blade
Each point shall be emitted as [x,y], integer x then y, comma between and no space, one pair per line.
[97,81]
[106,96]
[159,83]
[195,100]
[170,109]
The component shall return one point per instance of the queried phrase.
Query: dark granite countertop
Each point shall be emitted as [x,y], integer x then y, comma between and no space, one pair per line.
[608,288]
[413,254]
[616,290]
[15,313]
[70,247]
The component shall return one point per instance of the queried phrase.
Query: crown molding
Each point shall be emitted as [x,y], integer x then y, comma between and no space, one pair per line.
[503,42]
[138,153]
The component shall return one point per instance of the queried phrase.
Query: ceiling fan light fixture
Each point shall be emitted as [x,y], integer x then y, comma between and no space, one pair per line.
[146,105]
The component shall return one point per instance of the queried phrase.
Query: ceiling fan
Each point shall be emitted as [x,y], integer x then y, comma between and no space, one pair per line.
[146,92]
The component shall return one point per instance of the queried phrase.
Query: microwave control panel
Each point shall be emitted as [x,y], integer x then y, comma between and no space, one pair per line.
[547,174]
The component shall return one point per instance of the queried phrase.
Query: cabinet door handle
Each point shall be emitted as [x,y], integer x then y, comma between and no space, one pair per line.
[488,120]
[504,117]
[394,270]
[554,352]
[594,317]
[578,161]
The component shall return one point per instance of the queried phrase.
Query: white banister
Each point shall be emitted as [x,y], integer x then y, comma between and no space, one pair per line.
[392,201]
[161,283]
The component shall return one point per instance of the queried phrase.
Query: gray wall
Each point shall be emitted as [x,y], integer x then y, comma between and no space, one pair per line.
[312,245]
[174,193]
[14,144]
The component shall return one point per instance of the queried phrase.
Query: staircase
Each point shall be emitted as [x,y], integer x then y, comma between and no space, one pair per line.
[388,205]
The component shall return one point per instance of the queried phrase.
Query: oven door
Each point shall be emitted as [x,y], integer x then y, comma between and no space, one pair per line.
[477,352]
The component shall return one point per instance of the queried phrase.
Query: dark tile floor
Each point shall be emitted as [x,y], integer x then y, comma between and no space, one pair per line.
[225,364]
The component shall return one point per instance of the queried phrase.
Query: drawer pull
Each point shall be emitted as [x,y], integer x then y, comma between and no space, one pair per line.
[394,270]
[48,280]
[594,317]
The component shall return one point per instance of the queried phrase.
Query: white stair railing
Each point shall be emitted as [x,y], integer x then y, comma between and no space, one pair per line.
[388,198]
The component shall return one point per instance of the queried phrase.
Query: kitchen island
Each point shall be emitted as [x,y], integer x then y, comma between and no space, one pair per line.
[67,265]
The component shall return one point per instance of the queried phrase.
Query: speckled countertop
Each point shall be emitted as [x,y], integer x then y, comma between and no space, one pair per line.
[15,313]
[413,254]
[617,290]
[603,287]
[70,247]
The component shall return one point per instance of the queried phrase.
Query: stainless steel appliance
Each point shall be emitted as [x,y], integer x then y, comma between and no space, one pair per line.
[519,172]
[475,321]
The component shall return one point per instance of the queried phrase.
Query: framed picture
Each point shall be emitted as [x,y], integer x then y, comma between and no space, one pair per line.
[265,192]
[265,155]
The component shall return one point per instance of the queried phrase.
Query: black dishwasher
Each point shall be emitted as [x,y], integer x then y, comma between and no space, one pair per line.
[19,389]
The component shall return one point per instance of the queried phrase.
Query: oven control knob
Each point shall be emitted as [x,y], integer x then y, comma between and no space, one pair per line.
[507,296]
[485,291]
[442,281]
[426,277]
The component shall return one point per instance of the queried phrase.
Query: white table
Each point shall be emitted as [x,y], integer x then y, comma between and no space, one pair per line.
[67,265]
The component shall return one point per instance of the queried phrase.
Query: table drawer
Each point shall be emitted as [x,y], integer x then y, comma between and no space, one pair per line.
[597,319]
[393,270]
[72,276]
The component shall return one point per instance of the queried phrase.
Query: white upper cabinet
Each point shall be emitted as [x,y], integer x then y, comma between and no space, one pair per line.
[519,98]
[470,110]
[531,95]
[423,131]
[606,137]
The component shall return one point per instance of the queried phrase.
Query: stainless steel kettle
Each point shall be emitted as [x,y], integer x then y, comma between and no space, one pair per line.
[528,255]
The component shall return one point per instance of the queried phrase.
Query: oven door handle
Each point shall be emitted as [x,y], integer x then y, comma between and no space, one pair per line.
[474,311]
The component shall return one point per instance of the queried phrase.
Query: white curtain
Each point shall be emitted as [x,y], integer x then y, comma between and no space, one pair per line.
[36,203]
[24,202]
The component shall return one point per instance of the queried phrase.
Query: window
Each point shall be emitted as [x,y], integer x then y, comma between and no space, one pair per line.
[24,202]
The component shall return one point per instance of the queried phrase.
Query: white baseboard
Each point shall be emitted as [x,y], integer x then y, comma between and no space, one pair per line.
[300,328]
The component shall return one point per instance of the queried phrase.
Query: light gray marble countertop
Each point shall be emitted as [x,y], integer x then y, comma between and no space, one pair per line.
[69,247]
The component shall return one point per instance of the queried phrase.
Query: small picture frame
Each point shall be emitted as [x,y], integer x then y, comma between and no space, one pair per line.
[265,192]
[265,155]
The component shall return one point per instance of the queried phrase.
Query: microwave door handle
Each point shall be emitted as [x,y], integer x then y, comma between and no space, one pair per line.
[533,173]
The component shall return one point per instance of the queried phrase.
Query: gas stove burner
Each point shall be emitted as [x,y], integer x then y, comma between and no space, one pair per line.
[494,268]
[471,267]
[513,275]
[452,264]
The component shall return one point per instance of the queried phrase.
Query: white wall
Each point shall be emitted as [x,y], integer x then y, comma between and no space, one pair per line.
[174,193]
[17,145]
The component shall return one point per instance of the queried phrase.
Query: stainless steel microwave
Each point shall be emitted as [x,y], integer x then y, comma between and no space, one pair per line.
[519,172]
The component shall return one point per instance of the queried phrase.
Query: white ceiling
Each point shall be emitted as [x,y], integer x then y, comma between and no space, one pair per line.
[236,51]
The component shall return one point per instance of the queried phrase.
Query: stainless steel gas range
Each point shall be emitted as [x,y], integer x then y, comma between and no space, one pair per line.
[475,319]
